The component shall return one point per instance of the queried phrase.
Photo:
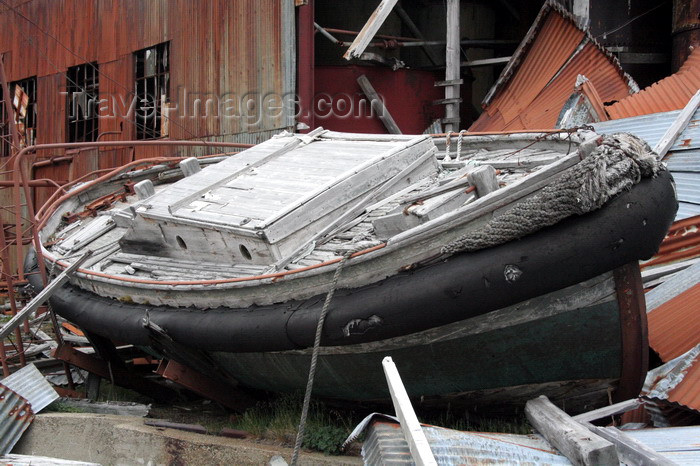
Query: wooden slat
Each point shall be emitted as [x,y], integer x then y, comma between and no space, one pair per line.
[370,28]
[41,298]
[378,105]
[572,439]
[412,430]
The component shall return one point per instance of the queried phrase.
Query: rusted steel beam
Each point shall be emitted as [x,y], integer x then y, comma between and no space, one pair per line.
[633,323]
[118,376]
[204,385]
[305,66]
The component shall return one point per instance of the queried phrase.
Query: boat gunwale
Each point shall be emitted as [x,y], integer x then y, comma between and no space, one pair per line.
[396,242]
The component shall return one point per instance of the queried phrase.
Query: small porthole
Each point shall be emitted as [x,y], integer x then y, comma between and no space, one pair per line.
[245,252]
[181,242]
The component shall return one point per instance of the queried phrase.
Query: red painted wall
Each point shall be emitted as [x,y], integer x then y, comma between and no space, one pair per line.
[340,105]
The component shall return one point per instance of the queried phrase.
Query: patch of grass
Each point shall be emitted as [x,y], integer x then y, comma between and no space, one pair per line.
[59,407]
[278,420]
[515,423]
[109,392]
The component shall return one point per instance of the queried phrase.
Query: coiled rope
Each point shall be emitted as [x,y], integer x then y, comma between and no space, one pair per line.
[619,163]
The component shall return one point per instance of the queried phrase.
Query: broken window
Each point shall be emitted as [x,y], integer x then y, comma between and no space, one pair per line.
[152,78]
[83,94]
[23,100]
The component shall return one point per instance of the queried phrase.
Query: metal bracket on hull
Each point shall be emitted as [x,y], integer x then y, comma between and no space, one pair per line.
[204,385]
[119,376]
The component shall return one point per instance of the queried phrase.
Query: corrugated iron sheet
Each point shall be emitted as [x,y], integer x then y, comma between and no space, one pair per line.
[652,127]
[385,444]
[674,327]
[542,74]
[671,93]
[680,444]
[32,386]
[683,159]
[217,48]
[15,416]
[677,381]
[21,395]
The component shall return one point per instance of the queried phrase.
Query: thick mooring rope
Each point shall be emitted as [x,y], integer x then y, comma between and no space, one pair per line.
[616,165]
[314,357]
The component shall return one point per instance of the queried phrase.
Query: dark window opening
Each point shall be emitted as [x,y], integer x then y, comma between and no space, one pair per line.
[83,98]
[152,76]
[5,136]
[23,101]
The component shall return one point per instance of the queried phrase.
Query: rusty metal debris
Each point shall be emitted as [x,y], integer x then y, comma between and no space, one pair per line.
[22,395]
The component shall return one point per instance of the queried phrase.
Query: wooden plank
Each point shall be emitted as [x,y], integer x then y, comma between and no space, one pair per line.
[679,124]
[41,298]
[498,199]
[572,439]
[449,82]
[417,165]
[412,430]
[617,408]
[452,70]
[631,450]
[370,28]
[484,179]
[486,62]
[378,105]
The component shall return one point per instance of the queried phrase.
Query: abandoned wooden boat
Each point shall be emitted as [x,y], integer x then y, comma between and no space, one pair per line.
[495,270]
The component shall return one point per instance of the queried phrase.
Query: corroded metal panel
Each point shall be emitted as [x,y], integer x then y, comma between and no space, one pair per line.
[542,73]
[15,414]
[31,385]
[677,381]
[671,93]
[21,395]
[385,444]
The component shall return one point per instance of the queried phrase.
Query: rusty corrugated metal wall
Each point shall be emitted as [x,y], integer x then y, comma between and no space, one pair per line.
[222,48]
[226,49]
[542,74]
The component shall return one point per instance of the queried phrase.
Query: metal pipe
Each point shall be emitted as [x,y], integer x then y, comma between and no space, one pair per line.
[105,133]
[22,181]
[329,36]
[305,82]
[52,161]
[40,183]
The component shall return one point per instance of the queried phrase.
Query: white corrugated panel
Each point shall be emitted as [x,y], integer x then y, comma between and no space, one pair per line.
[652,127]
[29,383]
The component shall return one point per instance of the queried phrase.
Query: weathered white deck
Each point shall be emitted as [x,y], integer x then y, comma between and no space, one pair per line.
[244,197]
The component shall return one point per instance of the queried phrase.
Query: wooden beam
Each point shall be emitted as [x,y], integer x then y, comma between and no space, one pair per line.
[370,28]
[679,124]
[452,71]
[631,450]
[378,105]
[486,62]
[484,179]
[617,408]
[571,438]
[41,298]
[416,32]
[412,430]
